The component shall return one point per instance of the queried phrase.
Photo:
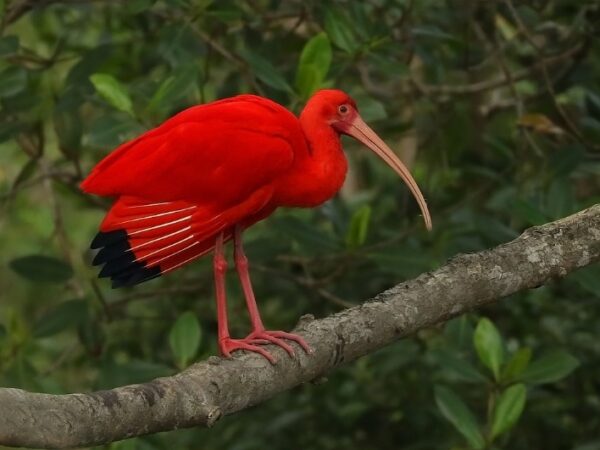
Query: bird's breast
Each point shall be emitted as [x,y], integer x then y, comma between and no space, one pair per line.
[312,181]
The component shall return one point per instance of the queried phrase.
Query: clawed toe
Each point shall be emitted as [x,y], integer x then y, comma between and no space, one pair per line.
[230,345]
[256,339]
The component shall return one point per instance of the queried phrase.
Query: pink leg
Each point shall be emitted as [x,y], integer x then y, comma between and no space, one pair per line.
[259,334]
[226,344]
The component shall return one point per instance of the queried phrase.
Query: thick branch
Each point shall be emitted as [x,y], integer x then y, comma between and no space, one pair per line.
[209,390]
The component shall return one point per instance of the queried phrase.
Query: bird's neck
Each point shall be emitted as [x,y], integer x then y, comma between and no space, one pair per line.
[318,173]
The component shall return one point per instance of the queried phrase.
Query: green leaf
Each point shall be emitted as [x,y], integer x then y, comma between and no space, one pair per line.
[265,71]
[339,29]
[459,333]
[549,368]
[109,131]
[9,45]
[313,66]
[69,314]
[359,226]
[13,80]
[489,346]
[3,332]
[67,126]
[461,368]
[371,110]
[459,415]
[174,88]
[508,409]
[42,269]
[112,91]
[184,338]
[517,363]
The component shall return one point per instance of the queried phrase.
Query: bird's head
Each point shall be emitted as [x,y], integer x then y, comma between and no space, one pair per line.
[339,110]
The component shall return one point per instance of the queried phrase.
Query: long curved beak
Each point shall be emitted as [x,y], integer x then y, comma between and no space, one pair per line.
[359,130]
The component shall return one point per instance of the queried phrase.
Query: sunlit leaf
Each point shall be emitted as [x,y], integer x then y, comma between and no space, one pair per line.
[508,31]
[359,226]
[489,345]
[539,123]
[508,409]
[113,91]
[459,415]
[313,66]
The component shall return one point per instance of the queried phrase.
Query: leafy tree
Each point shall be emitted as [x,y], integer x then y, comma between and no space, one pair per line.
[494,105]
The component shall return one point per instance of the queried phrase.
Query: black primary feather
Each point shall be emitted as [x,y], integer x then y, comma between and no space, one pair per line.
[119,261]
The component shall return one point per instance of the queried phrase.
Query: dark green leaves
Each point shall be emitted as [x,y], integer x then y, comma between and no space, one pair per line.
[13,81]
[339,30]
[69,314]
[174,88]
[42,269]
[550,368]
[113,92]
[265,71]
[488,344]
[517,363]
[508,409]
[67,126]
[8,45]
[184,338]
[314,65]
[459,415]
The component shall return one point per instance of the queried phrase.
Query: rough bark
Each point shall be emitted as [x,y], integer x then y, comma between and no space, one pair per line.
[209,390]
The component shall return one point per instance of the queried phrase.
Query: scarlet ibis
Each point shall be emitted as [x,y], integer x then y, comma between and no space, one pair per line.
[186,187]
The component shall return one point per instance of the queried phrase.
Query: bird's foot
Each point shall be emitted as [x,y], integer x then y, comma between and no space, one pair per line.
[229,345]
[256,339]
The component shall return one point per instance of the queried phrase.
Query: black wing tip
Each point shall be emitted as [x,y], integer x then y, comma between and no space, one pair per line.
[140,275]
[119,261]
[104,239]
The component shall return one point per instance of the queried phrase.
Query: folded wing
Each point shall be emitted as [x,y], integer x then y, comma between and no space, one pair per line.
[181,184]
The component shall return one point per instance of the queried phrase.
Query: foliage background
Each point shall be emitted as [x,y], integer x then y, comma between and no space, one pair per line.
[495,107]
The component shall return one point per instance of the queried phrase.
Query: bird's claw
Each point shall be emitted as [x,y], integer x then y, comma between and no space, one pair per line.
[254,340]
[229,345]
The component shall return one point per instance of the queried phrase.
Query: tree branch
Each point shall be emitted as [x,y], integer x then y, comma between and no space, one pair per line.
[217,387]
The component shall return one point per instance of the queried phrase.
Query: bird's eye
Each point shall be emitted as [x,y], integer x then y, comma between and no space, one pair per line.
[343,109]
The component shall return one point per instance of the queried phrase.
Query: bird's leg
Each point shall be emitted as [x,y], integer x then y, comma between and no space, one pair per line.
[226,344]
[220,269]
[259,335]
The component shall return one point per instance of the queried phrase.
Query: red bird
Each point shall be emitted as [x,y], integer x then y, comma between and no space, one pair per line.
[186,187]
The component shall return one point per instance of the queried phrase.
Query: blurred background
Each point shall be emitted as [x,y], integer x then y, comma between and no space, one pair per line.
[494,105]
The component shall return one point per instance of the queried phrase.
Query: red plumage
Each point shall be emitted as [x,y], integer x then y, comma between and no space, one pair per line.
[187,186]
